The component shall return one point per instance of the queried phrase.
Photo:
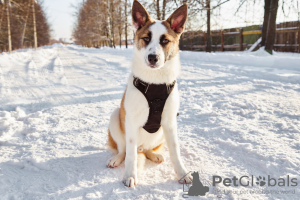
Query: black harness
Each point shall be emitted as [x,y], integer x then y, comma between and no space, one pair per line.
[156,95]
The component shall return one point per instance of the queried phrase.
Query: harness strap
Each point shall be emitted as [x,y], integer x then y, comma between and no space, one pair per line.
[156,95]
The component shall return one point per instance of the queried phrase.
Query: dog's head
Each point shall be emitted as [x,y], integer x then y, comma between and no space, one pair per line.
[157,41]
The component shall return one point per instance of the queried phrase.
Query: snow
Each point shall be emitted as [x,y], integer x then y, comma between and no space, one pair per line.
[239,115]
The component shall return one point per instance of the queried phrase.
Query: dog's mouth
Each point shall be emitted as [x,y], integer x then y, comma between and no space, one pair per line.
[152,66]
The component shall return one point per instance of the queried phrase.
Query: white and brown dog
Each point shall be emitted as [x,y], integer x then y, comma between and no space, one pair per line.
[148,111]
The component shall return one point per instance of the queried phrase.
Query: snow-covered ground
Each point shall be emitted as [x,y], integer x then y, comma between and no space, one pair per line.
[239,116]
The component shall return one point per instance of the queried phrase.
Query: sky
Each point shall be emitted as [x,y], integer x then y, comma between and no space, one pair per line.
[61,15]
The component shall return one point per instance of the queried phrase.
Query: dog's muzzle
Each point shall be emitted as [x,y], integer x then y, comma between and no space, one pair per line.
[153,59]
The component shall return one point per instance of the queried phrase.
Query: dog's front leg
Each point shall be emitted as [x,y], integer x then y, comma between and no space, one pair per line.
[130,176]
[170,132]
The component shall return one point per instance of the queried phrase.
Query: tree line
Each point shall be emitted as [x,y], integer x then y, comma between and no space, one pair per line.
[102,22]
[23,24]
[105,22]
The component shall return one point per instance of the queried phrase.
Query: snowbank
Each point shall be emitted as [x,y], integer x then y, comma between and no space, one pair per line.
[239,116]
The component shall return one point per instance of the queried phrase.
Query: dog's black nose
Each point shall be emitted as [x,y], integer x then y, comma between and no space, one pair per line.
[152,58]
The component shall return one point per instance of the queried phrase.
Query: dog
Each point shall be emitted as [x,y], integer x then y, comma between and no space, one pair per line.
[148,111]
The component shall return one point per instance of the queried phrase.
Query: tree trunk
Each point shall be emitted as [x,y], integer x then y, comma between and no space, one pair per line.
[271,31]
[24,27]
[34,25]
[108,22]
[112,24]
[2,14]
[265,23]
[126,24]
[99,20]
[164,9]
[208,41]
[120,24]
[157,10]
[8,26]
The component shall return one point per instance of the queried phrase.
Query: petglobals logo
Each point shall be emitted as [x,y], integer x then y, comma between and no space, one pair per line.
[196,189]
[246,185]
[246,181]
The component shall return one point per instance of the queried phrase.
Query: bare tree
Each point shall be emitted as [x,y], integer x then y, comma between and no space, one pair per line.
[208,37]
[19,26]
[24,26]
[109,28]
[34,24]
[120,22]
[164,9]
[8,26]
[101,23]
[126,24]
[269,25]
[112,22]
[200,6]
[159,8]
[265,23]
[2,15]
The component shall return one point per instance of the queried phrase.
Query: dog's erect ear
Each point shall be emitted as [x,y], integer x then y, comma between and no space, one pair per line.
[139,15]
[178,18]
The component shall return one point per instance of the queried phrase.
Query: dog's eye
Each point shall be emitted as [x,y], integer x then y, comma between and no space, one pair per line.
[165,41]
[146,39]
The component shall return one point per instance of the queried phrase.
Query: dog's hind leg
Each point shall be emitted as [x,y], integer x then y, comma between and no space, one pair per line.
[154,154]
[116,140]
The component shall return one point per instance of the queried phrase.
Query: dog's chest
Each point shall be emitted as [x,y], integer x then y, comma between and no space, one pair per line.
[139,106]
[156,96]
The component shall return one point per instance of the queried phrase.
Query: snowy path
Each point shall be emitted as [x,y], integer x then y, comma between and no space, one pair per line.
[240,115]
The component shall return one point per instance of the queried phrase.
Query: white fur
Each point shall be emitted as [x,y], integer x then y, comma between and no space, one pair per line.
[137,110]
[166,72]
[154,47]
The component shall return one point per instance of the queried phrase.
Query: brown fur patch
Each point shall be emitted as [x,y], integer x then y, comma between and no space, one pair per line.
[143,32]
[158,148]
[111,143]
[171,49]
[122,114]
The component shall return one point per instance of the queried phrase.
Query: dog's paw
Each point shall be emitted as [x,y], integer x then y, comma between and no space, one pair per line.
[188,179]
[184,177]
[158,158]
[155,157]
[130,182]
[116,160]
